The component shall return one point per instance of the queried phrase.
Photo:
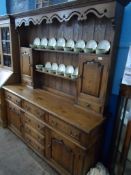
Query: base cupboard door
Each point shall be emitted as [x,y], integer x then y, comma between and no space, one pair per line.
[14,118]
[61,153]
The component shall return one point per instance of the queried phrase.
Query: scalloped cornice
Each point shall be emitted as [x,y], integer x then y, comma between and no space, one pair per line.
[99,10]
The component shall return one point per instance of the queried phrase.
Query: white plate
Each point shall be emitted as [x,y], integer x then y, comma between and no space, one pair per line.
[75,71]
[104,44]
[69,69]
[61,42]
[61,68]
[80,44]
[70,43]
[36,42]
[52,42]
[54,67]
[48,65]
[44,42]
[92,44]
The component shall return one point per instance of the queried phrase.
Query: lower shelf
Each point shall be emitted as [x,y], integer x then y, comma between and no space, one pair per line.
[60,76]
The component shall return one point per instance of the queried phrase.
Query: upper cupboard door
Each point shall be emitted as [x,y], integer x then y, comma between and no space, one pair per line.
[26,61]
[91,78]
[92,86]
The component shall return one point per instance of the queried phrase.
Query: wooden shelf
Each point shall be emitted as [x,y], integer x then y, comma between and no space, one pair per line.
[69,52]
[56,75]
[57,51]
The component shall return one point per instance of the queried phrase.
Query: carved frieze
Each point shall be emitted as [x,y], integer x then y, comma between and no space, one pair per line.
[99,10]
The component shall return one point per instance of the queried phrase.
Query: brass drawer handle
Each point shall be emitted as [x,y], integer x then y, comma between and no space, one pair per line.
[53,123]
[88,105]
[38,148]
[41,128]
[40,139]
[29,140]
[27,120]
[8,97]
[17,102]
[27,129]
[39,112]
[75,135]
[27,108]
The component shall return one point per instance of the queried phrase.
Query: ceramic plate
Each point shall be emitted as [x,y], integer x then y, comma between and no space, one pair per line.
[70,43]
[61,68]
[92,44]
[61,42]
[69,69]
[80,44]
[52,42]
[104,44]
[36,41]
[44,42]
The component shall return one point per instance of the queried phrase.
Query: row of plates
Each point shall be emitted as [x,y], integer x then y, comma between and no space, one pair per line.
[61,43]
[58,69]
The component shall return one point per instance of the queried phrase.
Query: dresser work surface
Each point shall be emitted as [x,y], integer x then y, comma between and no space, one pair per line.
[59,107]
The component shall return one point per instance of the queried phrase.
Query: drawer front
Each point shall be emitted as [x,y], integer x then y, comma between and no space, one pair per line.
[64,127]
[38,137]
[13,108]
[91,106]
[34,144]
[37,112]
[11,97]
[34,124]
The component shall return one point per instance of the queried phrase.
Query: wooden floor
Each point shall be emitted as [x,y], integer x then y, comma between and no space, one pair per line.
[17,159]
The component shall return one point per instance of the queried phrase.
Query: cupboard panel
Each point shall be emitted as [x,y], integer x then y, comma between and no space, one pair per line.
[91,78]
[61,152]
[14,118]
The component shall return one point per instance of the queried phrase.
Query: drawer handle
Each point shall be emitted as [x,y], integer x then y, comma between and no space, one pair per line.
[38,112]
[8,96]
[72,134]
[27,129]
[37,147]
[40,127]
[28,140]
[40,139]
[17,102]
[27,120]
[53,123]
[27,108]
[88,105]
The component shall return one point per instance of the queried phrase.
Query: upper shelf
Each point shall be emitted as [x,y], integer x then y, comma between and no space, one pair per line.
[100,9]
[71,52]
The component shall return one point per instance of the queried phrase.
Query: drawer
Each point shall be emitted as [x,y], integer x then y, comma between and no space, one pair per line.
[33,123]
[38,137]
[11,97]
[64,127]
[34,144]
[91,106]
[37,112]
[13,108]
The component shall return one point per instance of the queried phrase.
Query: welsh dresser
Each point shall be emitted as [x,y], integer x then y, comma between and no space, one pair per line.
[60,118]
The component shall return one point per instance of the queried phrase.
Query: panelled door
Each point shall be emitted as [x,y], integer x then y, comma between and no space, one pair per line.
[93,73]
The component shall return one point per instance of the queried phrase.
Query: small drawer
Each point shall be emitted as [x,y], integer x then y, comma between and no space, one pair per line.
[91,106]
[64,127]
[34,144]
[38,137]
[34,124]
[11,107]
[37,112]
[13,98]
